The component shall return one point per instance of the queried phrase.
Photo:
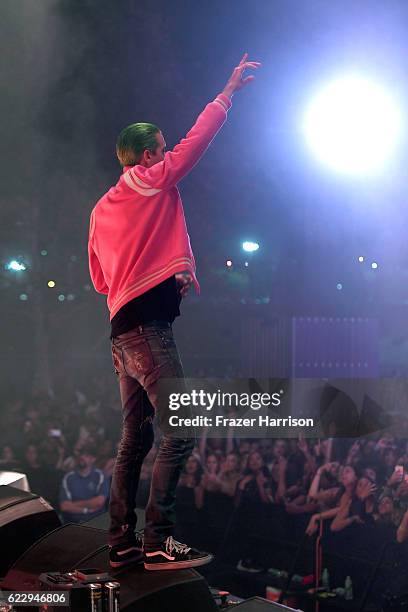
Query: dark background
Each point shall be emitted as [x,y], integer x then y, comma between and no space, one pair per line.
[73,73]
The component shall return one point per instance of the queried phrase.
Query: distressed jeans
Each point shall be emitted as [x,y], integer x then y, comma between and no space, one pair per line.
[142,358]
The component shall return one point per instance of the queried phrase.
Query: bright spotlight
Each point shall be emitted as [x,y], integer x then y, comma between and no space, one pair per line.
[250,247]
[339,286]
[15,266]
[353,125]
[361,259]
[51,283]
[228,263]
[374,265]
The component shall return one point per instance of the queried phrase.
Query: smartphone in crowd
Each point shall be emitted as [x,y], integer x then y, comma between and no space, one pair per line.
[402,473]
[54,433]
[399,469]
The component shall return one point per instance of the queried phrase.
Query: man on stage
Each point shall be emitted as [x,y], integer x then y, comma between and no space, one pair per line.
[140,257]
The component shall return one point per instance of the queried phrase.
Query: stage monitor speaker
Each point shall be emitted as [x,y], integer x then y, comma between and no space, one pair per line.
[259,604]
[79,546]
[24,519]
[64,548]
[18,480]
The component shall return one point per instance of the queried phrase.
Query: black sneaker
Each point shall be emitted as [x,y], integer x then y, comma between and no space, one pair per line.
[174,555]
[123,554]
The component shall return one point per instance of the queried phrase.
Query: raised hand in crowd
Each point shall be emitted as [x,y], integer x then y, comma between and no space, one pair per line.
[396,477]
[354,452]
[244,481]
[402,490]
[365,489]
[343,518]
[402,531]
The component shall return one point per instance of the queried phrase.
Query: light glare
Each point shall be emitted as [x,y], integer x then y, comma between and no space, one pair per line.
[353,125]
[15,266]
[249,246]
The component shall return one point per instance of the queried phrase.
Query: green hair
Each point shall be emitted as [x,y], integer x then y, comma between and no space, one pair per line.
[133,140]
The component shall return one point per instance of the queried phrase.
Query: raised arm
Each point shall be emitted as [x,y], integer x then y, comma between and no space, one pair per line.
[402,531]
[343,517]
[178,162]
[315,486]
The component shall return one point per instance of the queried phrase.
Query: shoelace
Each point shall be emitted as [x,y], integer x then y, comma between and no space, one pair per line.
[140,536]
[173,545]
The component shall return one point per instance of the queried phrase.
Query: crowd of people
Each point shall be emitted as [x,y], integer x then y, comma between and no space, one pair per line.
[344,482]
[47,437]
[67,446]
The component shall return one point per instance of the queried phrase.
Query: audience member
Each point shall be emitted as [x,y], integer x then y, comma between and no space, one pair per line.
[84,491]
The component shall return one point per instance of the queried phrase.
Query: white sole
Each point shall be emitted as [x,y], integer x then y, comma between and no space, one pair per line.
[177,565]
[133,560]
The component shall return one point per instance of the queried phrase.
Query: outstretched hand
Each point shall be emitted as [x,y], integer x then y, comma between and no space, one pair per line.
[312,525]
[236,82]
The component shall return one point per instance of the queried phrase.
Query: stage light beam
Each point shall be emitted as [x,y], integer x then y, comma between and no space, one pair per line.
[249,246]
[15,266]
[353,125]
